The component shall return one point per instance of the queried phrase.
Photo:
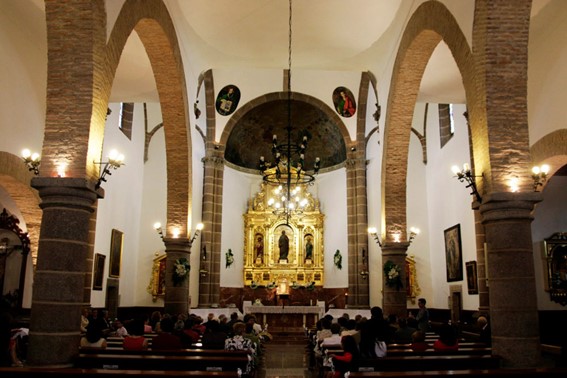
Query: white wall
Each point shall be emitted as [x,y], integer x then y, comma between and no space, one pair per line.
[449,203]
[237,189]
[331,188]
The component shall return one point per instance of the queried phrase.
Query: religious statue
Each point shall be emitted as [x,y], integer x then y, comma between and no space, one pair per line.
[259,248]
[283,243]
[308,249]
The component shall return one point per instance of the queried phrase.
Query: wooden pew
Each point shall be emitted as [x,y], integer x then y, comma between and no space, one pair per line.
[431,352]
[160,362]
[430,362]
[485,373]
[167,352]
[27,372]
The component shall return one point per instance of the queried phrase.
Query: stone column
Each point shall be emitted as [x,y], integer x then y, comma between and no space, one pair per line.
[58,295]
[209,280]
[358,292]
[176,295]
[507,221]
[395,299]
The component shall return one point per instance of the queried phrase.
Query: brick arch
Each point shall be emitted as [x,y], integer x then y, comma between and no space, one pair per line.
[241,112]
[429,25]
[153,24]
[552,150]
[15,179]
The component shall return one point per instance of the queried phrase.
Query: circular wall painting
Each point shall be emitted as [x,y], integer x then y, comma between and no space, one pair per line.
[344,102]
[227,100]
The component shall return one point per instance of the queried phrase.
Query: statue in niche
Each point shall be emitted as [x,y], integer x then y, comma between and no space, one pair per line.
[308,249]
[283,244]
[259,249]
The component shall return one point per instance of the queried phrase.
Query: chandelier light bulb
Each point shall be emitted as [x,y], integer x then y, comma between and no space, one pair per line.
[536,170]
[157,226]
[26,153]
[372,230]
[200,226]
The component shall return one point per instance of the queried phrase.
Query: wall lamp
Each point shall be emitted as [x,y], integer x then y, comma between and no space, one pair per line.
[467,175]
[115,161]
[198,229]
[539,174]
[157,227]
[414,231]
[373,232]
[32,161]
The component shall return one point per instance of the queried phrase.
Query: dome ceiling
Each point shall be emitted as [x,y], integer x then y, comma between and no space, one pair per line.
[251,137]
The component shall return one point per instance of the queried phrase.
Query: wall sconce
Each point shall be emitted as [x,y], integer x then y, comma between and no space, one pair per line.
[198,229]
[414,231]
[32,161]
[364,271]
[466,174]
[115,161]
[373,232]
[539,174]
[157,227]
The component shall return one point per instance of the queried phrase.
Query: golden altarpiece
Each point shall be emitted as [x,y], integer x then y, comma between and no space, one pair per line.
[265,225]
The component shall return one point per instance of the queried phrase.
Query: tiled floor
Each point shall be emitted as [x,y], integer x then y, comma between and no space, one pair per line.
[286,357]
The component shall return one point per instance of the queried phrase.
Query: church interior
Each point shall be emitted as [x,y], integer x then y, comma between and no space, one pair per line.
[285,158]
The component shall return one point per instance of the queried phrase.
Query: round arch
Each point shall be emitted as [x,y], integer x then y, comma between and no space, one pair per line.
[429,25]
[154,26]
[15,179]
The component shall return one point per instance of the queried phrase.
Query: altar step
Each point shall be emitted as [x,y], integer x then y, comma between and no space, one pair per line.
[286,338]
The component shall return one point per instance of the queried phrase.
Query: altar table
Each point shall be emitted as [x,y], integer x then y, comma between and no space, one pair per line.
[286,318]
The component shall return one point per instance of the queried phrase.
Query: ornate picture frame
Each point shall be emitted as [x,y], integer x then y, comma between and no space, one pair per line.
[453,253]
[472,277]
[98,271]
[116,240]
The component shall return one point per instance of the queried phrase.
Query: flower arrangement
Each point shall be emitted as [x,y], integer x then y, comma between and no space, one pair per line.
[338,259]
[181,269]
[271,285]
[229,258]
[392,273]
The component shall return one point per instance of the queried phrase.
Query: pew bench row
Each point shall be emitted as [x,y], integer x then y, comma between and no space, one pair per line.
[161,362]
[476,373]
[27,372]
[430,362]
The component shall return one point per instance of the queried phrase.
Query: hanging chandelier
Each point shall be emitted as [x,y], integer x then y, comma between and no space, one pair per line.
[287,173]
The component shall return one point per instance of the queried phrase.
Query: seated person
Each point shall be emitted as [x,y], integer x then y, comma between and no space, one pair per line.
[189,336]
[447,340]
[135,340]
[418,343]
[120,329]
[213,338]
[93,338]
[404,332]
[348,361]
[239,342]
[484,327]
[334,340]
[166,339]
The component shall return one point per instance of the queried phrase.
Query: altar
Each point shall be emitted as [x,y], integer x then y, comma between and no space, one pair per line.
[286,318]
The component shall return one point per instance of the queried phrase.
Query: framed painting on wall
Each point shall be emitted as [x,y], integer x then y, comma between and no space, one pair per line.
[453,253]
[115,252]
[98,273]
[472,277]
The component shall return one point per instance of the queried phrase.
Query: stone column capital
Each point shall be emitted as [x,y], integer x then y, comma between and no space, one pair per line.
[505,205]
[67,191]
